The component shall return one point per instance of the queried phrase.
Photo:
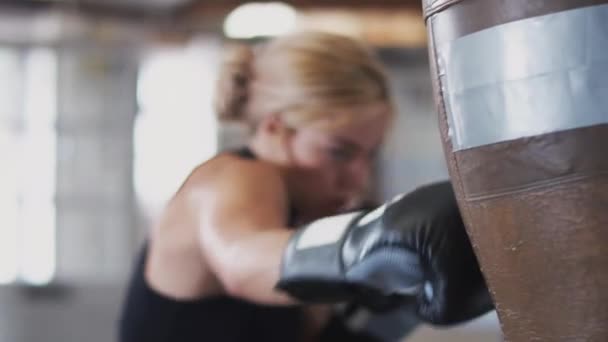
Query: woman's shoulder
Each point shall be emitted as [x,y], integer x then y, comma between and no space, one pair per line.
[231,190]
[229,165]
[229,171]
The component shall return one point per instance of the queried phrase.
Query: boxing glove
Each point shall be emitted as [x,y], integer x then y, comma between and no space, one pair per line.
[355,320]
[412,249]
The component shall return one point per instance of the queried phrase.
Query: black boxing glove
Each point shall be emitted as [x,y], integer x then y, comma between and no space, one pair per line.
[413,249]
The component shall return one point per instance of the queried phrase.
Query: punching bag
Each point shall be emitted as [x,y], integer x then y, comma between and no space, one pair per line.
[521,87]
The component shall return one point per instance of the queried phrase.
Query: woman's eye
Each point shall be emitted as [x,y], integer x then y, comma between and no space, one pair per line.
[340,154]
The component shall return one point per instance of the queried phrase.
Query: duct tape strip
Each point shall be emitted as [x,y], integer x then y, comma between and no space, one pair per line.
[529,77]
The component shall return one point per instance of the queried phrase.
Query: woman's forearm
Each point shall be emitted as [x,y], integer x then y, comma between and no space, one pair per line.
[248,266]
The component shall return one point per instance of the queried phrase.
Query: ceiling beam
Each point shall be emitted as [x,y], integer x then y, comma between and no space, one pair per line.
[89,8]
[194,9]
[210,8]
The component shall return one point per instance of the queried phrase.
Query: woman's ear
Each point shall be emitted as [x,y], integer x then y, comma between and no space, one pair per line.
[272,126]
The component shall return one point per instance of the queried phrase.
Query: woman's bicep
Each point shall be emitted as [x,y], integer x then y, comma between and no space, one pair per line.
[243,233]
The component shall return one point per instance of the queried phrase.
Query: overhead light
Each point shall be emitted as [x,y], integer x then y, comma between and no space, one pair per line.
[260,20]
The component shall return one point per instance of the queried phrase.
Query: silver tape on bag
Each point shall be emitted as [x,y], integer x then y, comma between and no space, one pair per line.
[529,77]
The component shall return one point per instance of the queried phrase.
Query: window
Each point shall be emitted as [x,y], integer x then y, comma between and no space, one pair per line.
[27,164]
[175,129]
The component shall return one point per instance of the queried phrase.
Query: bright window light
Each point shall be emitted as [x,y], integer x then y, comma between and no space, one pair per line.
[37,252]
[28,159]
[9,212]
[10,137]
[260,20]
[176,128]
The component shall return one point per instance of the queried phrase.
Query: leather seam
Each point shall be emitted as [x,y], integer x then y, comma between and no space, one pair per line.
[477,197]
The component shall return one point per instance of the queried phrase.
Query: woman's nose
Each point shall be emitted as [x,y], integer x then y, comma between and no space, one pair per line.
[357,175]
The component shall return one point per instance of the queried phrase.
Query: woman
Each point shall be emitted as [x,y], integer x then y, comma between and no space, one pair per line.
[319,107]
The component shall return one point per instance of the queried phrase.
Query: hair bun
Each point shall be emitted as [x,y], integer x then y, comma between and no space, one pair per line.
[232,88]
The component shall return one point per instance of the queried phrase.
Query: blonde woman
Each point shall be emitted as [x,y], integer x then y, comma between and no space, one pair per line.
[247,240]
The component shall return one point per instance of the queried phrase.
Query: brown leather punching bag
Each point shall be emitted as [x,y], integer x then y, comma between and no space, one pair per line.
[521,88]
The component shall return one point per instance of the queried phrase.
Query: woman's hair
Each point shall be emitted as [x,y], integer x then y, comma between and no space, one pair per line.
[301,77]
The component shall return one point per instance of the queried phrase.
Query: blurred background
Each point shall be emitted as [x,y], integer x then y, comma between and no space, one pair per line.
[105,107]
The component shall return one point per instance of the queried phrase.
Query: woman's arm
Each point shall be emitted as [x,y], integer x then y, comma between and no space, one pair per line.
[243,231]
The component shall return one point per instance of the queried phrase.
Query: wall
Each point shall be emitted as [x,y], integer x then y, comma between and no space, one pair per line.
[95,212]
[85,313]
[412,154]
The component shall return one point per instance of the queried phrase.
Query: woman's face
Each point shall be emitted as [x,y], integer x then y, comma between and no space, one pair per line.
[335,162]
